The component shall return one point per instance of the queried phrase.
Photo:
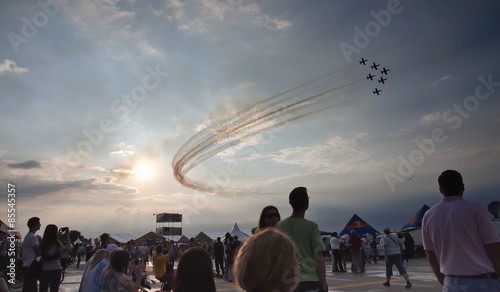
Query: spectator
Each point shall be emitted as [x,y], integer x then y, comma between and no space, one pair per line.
[116,276]
[143,253]
[409,247]
[31,250]
[267,262]
[226,243]
[50,250]
[373,248]
[355,247]
[392,252]
[191,243]
[335,242]
[105,240]
[268,218]
[462,247]
[230,254]
[90,268]
[97,284]
[305,234]
[164,272]
[219,258]
[194,272]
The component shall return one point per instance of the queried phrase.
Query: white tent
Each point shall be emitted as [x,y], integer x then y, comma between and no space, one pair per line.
[236,231]
[77,241]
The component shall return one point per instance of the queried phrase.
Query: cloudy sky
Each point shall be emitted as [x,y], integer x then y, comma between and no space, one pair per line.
[101,101]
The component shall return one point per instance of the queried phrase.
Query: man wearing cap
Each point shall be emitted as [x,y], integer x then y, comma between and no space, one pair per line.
[462,247]
[97,285]
[393,250]
[305,234]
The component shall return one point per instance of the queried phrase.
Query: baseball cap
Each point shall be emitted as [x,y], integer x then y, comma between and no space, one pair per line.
[111,247]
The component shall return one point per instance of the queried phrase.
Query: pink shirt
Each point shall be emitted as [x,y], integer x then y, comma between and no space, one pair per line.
[457,230]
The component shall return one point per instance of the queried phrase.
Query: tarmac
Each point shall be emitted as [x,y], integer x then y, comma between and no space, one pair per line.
[418,270]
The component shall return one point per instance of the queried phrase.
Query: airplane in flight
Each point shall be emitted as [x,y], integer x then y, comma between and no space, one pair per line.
[382,80]
[376,91]
[384,71]
[375,66]
[363,61]
[370,76]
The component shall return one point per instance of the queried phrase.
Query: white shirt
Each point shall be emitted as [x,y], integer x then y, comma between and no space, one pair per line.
[28,251]
[335,242]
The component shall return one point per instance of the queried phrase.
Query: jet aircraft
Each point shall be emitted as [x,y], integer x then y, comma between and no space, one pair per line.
[363,61]
[384,71]
[375,66]
[376,91]
[382,80]
[370,76]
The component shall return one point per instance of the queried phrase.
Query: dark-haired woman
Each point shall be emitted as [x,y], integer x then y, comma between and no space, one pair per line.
[194,272]
[115,277]
[268,217]
[51,249]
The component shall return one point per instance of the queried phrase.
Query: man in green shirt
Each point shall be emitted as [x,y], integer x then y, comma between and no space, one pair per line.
[308,241]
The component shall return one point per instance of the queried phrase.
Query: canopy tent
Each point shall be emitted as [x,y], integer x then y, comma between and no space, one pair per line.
[202,237]
[359,226]
[237,232]
[416,221]
[77,241]
[183,239]
[121,238]
[150,236]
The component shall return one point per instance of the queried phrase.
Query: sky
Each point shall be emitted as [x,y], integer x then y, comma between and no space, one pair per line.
[112,111]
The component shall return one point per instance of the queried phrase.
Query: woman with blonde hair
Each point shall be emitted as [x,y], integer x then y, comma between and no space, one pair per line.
[267,262]
[89,273]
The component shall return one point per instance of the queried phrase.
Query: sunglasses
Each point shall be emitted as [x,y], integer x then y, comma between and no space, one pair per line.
[271,215]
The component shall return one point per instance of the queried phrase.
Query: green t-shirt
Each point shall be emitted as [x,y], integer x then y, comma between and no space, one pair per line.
[308,241]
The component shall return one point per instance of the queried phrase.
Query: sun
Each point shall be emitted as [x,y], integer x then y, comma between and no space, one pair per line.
[143,171]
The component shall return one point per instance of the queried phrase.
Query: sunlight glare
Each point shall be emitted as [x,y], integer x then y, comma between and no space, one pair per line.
[143,171]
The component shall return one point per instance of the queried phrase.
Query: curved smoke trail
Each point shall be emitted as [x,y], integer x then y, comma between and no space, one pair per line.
[262,116]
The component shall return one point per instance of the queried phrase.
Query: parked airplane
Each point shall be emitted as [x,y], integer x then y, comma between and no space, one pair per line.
[375,66]
[370,76]
[384,71]
[363,61]
[382,80]
[376,91]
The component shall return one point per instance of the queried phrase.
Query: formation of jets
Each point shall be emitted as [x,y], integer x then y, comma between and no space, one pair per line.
[374,66]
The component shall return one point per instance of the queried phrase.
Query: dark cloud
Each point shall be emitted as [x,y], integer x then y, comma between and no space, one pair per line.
[31,187]
[26,165]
